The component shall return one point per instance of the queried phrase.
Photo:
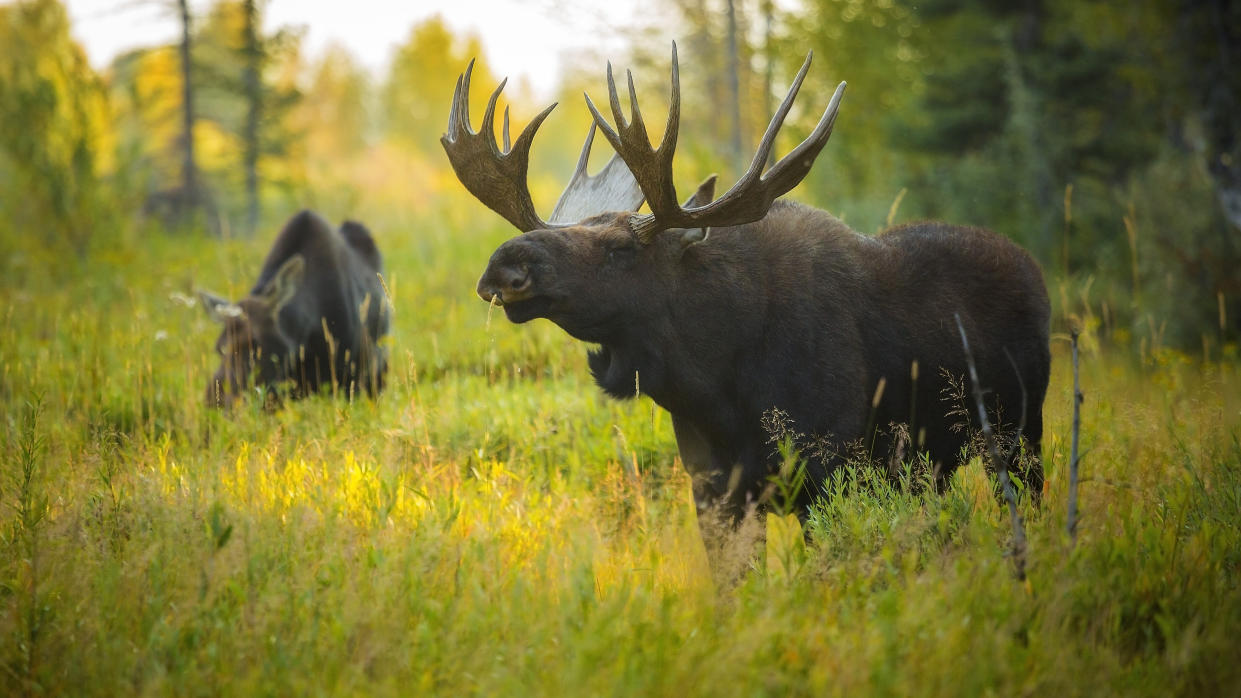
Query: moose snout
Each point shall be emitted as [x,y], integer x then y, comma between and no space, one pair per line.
[505,284]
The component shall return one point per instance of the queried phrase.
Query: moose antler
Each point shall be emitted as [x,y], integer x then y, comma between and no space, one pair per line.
[497,177]
[748,200]
[613,189]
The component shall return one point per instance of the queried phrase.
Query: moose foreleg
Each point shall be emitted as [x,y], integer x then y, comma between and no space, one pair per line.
[731,523]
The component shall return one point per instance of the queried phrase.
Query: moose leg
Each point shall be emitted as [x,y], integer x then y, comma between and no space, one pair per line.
[730,521]
[733,531]
[1029,465]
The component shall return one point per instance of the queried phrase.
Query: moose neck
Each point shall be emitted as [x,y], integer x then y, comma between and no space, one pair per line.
[666,349]
[625,370]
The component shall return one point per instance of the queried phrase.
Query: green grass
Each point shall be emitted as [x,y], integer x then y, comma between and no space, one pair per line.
[494,525]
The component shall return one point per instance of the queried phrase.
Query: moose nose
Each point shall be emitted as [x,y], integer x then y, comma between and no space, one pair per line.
[505,284]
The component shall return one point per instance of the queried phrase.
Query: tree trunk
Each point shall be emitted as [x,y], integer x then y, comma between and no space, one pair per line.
[1027,106]
[1221,103]
[253,94]
[189,187]
[769,60]
[734,89]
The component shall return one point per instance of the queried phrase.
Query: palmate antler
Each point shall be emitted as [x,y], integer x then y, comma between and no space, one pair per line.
[613,189]
[748,200]
[498,177]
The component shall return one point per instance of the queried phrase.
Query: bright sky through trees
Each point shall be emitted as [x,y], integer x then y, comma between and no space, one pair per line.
[525,39]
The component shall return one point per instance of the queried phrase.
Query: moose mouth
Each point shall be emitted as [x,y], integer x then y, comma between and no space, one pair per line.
[526,309]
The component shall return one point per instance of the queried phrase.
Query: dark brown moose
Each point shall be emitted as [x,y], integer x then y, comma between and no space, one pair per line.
[735,312]
[313,319]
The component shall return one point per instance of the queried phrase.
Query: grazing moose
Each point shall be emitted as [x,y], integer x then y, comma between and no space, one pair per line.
[314,317]
[726,310]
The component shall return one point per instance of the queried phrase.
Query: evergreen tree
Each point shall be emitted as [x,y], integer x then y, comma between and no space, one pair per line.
[248,88]
[418,92]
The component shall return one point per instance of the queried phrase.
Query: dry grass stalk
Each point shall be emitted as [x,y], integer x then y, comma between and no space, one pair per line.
[999,461]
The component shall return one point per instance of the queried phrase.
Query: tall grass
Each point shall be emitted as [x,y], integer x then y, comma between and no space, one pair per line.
[494,525]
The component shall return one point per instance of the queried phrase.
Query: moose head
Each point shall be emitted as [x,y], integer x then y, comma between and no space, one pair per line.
[596,260]
[253,348]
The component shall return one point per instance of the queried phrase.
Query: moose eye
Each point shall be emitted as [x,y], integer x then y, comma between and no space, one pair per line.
[621,254]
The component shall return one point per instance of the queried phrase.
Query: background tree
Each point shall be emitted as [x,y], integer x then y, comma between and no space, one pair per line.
[1204,46]
[140,79]
[733,71]
[189,166]
[860,175]
[1044,99]
[55,136]
[1189,201]
[418,91]
[336,120]
[248,84]
[1075,126]
[251,89]
[336,113]
[1102,137]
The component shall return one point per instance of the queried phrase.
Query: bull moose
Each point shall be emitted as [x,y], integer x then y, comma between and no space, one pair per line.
[728,310]
[313,319]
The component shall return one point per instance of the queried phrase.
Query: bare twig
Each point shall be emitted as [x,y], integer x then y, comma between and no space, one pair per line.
[998,461]
[1073,461]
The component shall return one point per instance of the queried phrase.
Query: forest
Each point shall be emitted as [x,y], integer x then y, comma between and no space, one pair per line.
[493,523]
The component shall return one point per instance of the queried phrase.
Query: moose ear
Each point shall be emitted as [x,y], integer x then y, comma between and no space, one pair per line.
[702,197]
[218,309]
[283,286]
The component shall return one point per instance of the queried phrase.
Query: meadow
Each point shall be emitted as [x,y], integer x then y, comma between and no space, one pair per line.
[494,525]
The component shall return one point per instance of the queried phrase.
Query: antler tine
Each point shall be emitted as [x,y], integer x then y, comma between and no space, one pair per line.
[608,132]
[452,110]
[507,146]
[614,99]
[674,108]
[488,127]
[585,156]
[460,119]
[637,127]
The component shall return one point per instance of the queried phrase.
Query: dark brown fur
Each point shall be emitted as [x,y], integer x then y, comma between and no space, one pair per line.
[797,313]
[314,278]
